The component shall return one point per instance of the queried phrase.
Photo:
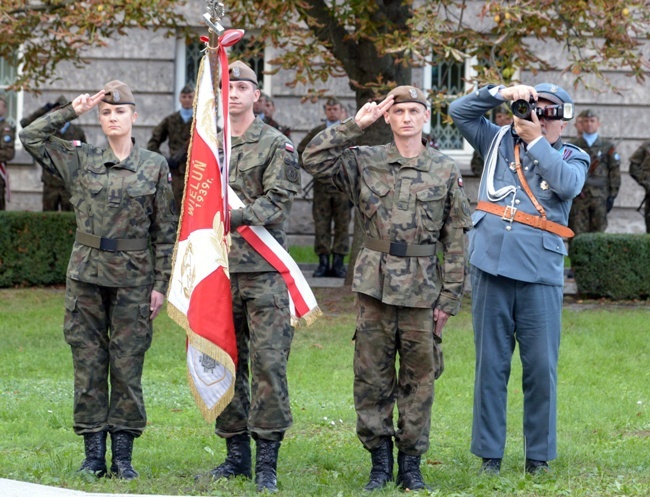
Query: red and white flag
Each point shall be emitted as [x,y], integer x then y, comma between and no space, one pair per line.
[199,291]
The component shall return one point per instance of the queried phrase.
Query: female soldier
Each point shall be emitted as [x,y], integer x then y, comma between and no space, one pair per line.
[119,267]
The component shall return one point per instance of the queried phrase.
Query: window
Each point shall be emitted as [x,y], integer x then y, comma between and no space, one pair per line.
[8,74]
[449,78]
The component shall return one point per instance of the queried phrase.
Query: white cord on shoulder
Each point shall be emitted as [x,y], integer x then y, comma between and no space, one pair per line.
[490,167]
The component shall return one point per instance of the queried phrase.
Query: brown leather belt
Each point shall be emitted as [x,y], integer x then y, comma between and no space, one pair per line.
[400,249]
[112,244]
[510,214]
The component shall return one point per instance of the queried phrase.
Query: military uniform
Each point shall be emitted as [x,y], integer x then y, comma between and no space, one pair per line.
[517,271]
[476,164]
[403,205]
[330,206]
[640,171]
[177,132]
[123,250]
[285,130]
[55,195]
[7,152]
[265,175]
[590,208]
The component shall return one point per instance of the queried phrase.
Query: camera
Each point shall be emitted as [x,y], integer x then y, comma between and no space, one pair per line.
[524,109]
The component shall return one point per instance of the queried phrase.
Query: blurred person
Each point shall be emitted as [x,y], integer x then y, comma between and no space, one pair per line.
[176,130]
[269,111]
[7,149]
[640,172]
[55,195]
[119,267]
[330,207]
[590,208]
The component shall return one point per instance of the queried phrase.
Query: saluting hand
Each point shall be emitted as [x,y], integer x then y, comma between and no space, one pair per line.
[372,111]
[83,103]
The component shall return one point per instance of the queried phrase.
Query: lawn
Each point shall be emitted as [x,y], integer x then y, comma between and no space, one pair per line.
[604,416]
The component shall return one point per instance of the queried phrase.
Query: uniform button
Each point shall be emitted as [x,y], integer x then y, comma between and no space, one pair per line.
[535,162]
[519,188]
[477,93]
[508,228]
[557,247]
[526,168]
[517,201]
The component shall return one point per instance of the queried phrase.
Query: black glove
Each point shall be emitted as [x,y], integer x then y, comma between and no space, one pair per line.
[171,162]
[609,203]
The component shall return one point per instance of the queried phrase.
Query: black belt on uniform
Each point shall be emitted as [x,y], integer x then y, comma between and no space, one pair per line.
[400,249]
[112,244]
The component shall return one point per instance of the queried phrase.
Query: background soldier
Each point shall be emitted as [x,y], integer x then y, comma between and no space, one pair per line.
[330,206]
[265,175]
[119,267]
[176,128]
[269,111]
[410,201]
[640,171]
[7,148]
[55,195]
[590,208]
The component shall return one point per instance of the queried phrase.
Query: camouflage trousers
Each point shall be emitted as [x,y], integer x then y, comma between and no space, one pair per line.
[55,197]
[588,214]
[331,207]
[178,186]
[109,331]
[384,331]
[264,334]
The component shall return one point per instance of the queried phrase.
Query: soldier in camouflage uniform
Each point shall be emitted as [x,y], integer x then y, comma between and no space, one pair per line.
[640,171]
[330,206]
[176,129]
[411,203]
[55,195]
[7,147]
[119,267]
[265,175]
[590,208]
[269,110]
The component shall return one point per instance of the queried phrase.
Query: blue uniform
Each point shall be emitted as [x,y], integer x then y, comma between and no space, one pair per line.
[517,274]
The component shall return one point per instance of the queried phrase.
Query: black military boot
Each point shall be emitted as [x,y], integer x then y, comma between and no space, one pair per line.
[408,472]
[323,268]
[382,465]
[338,269]
[95,449]
[238,458]
[122,448]
[266,463]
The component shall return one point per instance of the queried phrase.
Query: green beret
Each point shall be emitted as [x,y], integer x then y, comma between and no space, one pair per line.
[587,113]
[241,72]
[405,94]
[118,93]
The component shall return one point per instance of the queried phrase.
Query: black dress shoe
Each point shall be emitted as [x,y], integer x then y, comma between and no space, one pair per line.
[490,466]
[534,467]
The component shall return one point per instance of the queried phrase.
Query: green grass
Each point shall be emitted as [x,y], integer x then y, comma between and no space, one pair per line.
[603,428]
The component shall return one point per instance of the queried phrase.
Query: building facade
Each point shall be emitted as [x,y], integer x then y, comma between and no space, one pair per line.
[157,68]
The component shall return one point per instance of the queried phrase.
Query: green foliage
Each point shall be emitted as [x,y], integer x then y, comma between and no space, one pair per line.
[612,265]
[603,401]
[35,247]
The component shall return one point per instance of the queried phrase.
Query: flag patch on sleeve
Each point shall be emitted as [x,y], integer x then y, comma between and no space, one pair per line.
[289,147]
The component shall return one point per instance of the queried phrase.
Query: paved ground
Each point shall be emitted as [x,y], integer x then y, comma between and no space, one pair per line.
[12,488]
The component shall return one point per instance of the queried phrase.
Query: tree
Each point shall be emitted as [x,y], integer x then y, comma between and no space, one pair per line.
[39,35]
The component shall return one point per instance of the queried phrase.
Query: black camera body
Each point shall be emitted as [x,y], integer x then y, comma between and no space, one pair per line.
[524,109]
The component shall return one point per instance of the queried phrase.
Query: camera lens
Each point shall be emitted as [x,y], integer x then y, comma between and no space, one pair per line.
[521,109]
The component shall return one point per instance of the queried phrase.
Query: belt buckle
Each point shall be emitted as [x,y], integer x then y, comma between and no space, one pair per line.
[397,249]
[108,244]
[509,214]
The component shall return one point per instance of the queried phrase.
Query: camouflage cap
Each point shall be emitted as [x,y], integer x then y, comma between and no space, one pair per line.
[553,93]
[241,72]
[118,93]
[187,89]
[331,101]
[405,94]
[588,113]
